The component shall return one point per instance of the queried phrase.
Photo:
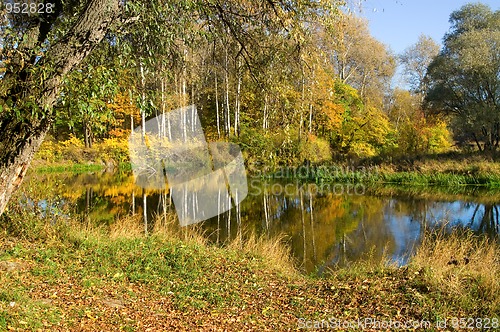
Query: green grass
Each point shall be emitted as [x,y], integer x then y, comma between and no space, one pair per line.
[78,168]
[73,276]
[380,176]
[73,168]
[445,170]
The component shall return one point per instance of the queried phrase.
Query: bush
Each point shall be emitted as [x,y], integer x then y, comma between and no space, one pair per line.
[314,149]
[73,150]
[48,151]
[113,148]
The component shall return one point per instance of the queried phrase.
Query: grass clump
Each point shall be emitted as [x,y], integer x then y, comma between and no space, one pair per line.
[271,252]
[463,265]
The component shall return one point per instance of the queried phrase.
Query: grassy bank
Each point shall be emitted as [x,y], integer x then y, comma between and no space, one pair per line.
[471,171]
[73,168]
[446,170]
[376,176]
[79,168]
[69,276]
[72,155]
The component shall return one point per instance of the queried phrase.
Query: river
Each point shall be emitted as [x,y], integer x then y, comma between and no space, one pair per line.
[325,225]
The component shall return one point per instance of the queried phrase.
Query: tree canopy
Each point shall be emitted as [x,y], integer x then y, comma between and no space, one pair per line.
[416,59]
[464,77]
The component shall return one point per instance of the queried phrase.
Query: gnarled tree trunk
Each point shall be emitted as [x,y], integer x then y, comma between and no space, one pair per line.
[21,135]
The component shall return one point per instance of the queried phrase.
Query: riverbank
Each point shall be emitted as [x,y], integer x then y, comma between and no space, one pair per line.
[446,170]
[65,275]
[452,169]
[72,156]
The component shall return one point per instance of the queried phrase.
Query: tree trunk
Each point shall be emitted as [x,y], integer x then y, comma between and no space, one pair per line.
[21,137]
[184,78]
[87,134]
[162,125]
[265,121]
[217,106]
[228,114]
[145,211]
[477,142]
[302,102]
[311,103]
[238,101]
[131,114]
[143,101]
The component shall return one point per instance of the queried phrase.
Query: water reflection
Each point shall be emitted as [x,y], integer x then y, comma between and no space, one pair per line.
[323,229]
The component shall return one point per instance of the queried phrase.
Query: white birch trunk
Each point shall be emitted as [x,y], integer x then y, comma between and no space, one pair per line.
[143,102]
[217,106]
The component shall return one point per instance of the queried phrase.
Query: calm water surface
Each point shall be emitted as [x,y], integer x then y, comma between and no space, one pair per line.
[325,227]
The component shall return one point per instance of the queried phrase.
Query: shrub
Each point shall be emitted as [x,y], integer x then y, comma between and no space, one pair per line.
[113,148]
[314,149]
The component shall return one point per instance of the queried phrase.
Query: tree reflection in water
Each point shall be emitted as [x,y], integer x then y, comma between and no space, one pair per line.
[323,229]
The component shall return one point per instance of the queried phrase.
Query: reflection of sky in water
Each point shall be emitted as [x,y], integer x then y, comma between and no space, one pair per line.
[43,207]
[406,233]
[455,214]
[406,230]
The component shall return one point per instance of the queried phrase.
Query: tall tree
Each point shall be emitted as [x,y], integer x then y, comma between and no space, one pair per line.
[358,59]
[415,60]
[38,56]
[86,95]
[465,77]
[415,132]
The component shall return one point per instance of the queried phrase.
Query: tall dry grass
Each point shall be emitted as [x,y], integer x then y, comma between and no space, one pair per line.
[21,224]
[272,251]
[128,227]
[167,227]
[462,264]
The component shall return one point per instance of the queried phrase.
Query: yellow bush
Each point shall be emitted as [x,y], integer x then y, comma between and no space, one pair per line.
[72,142]
[48,151]
[112,148]
[438,138]
[363,149]
[73,150]
[315,149]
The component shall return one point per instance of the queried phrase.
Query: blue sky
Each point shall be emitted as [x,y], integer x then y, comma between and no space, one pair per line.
[398,23]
